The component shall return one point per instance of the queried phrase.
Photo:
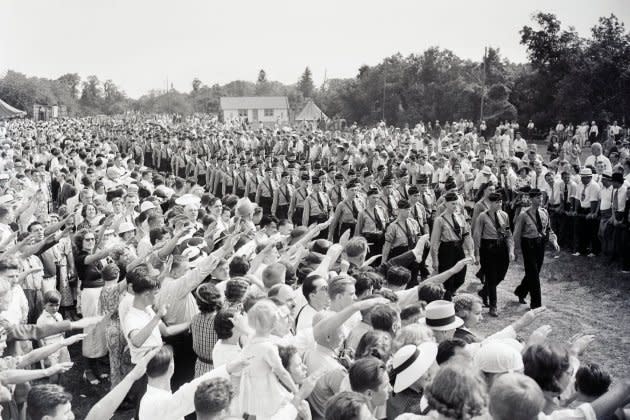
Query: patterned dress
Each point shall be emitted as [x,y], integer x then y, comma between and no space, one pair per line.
[108,303]
[204,338]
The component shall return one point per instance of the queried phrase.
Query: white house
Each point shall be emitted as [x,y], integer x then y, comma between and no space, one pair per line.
[256,109]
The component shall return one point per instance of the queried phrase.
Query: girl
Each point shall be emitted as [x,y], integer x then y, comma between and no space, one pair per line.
[261,391]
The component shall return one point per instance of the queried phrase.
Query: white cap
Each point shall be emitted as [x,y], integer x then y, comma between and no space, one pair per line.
[126,227]
[498,356]
[146,205]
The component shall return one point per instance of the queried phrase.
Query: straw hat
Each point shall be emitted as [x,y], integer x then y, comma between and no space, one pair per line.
[411,362]
[440,316]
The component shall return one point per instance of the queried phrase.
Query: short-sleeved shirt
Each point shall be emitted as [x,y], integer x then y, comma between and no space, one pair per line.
[134,321]
[585,194]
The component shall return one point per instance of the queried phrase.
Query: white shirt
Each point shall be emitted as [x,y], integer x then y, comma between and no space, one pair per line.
[594,160]
[136,320]
[590,193]
[305,317]
[161,404]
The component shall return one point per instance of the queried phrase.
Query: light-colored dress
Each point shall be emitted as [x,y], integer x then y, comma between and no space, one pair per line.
[261,393]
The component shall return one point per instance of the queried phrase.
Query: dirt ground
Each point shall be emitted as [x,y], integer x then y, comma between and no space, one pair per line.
[582,296]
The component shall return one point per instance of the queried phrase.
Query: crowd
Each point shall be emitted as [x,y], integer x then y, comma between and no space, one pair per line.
[222,271]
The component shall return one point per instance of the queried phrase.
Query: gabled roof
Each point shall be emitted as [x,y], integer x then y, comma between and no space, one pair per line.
[311,112]
[7,111]
[254,102]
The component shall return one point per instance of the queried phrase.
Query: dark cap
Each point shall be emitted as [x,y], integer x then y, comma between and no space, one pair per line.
[386,182]
[305,177]
[524,190]
[353,183]
[372,191]
[316,180]
[338,177]
[494,197]
[284,174]
[403,204]
[413,190]
[450,196]
[268,169]
[535,192]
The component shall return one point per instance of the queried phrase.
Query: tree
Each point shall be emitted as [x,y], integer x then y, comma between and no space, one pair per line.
[91,95]
[196,85]
[71,81]
[305,84]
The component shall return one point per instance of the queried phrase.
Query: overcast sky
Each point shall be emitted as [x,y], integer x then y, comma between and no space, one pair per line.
[139,43]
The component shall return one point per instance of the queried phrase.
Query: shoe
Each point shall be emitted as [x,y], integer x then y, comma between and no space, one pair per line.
[89,377]
[522,300]
[104,376]
[493,312]
[591,255]
[484,298]
[576,254]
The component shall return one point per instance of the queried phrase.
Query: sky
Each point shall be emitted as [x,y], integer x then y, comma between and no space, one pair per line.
[139,44]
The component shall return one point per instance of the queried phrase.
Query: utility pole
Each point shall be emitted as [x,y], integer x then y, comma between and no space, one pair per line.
[384,85]
[483,82]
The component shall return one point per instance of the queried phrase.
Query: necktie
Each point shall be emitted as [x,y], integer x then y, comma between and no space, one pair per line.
[456,226]
[565,196]
[539,225]
[614,200]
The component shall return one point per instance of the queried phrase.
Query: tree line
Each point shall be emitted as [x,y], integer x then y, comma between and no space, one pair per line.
[567,77]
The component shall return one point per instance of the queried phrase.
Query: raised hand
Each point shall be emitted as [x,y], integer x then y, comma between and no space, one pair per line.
[86,322]
[59,368]
[73,339]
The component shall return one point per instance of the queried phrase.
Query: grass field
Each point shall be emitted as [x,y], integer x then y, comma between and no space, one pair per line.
[582,296]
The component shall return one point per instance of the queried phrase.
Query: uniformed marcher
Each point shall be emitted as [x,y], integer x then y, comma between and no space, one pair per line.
[296,207]
[252,183]
[282,198]
[240,180]
[346,213]
[371,224]
[264,194]
[494,248]
[317,207]
[532,230]
[417,210]
[427,198]
[450,242]
[387,200]
[402,234]
[336,192]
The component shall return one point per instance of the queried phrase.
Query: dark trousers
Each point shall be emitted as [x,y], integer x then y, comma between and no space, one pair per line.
[265,204]
[494,258]
[533,257]
[586,233]
[184,358]
[448,255]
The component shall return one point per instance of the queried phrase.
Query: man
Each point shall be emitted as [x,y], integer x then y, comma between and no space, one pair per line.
[596,157]
[417,211]
[368,376]
[401,235]
[265,191]
[315,290]
[532,230]
[585,209]
[240,180]
[387,201]
[371,223]
[494,248]
[49,402]
[560,205]
[317,207]
[519,146]
[282,197]
[336,193]
[296,207]
[346,213]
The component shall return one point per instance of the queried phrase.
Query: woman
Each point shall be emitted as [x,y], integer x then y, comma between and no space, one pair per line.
[204,337]
[457,392]
[229,328]
[553,370]
[109,299]
[88,267]
[91,217]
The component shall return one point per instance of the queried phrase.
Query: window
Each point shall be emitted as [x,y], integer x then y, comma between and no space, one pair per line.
[242,113]
[268,112]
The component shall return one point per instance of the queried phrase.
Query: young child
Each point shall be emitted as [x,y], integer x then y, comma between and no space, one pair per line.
[261,390]
[51,315]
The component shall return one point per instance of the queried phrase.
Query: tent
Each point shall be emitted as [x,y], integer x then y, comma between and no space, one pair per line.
[7,111]
[311,112]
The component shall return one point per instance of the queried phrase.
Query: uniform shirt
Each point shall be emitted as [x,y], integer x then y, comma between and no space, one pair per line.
[486,226]
[348,212]
[526,224]
[317,203]
[605,198]
[336,194]
[418,213]
[585,194]
[372,220]
[444,229]
[399,233]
